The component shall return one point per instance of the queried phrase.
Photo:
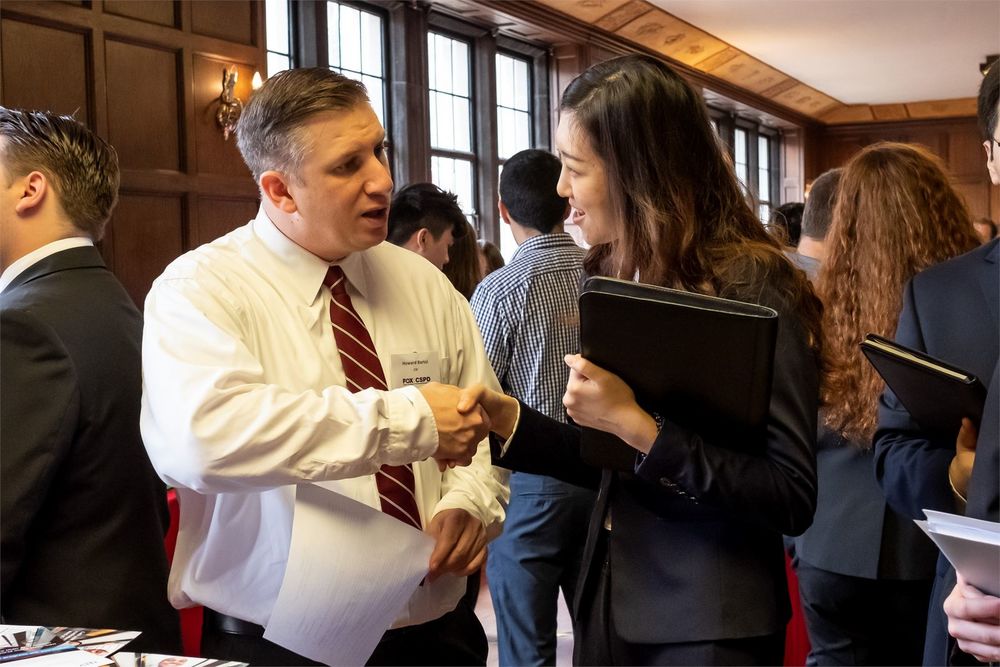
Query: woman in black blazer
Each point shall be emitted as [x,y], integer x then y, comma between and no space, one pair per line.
[684,561]
[864,571]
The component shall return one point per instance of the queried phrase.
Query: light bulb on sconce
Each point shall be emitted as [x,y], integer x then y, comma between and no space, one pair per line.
[256,83]
[230,106]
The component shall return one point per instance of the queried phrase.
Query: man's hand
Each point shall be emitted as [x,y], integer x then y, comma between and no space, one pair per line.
[974,620]
[460,546]
[459,433]
[500,408]
[960,469]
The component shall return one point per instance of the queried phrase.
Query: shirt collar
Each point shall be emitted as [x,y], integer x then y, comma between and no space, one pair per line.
[38,254]
[541,241]
[303,270]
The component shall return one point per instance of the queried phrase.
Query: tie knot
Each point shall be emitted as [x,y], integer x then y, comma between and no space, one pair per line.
[336,280]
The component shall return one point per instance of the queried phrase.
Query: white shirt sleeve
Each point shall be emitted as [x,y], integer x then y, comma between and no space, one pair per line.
[213,423]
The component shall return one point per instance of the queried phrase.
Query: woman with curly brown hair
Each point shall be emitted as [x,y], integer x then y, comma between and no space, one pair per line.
[864,571]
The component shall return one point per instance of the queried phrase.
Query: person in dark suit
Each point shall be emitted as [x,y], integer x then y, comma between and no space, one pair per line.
[683,562]
[84,515]
[864,571]
[952,312]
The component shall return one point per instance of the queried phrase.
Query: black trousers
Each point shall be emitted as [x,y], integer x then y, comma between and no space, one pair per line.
[855,621]
[597,641]
[457,638]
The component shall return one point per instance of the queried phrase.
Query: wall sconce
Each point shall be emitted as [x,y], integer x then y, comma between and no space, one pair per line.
[984,66]
[230,106]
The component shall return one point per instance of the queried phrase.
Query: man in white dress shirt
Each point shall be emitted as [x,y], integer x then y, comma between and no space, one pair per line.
[249,389]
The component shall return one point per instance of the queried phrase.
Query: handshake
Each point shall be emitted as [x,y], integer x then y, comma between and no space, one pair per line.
[464,417]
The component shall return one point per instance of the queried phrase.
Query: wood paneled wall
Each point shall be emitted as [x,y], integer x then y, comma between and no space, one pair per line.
[145,75]
[956,141]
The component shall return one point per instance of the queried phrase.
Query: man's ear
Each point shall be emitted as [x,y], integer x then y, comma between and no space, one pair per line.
[504,213]
[274,186]
[421,237]
[34,189]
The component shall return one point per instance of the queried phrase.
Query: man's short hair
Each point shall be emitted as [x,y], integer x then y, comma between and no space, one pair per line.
[528,190]
[989,98]
[420,205]
[818,213]
[81,167]
[268,133]
[786,220]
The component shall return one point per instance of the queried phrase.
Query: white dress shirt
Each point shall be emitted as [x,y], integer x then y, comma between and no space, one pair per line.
[244,396]
[21,264]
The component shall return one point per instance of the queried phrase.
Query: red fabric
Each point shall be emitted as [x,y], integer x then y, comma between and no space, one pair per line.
[796,638]
[190,617]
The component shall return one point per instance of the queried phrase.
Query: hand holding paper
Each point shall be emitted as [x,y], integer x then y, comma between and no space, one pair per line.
[460,543]
[974,620]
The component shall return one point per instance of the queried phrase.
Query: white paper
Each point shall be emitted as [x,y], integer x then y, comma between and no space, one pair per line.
[351,570]
[972,546]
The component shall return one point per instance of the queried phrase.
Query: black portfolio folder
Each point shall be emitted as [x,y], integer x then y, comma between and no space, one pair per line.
[936,394]
[702,362]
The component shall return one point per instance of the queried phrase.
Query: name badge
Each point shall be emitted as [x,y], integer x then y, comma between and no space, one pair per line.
[415,368]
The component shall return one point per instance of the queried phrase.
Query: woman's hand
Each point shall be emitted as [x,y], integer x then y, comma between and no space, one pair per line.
[599,399]
[501,408]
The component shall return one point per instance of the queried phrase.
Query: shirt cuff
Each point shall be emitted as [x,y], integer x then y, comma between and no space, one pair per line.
[413,434]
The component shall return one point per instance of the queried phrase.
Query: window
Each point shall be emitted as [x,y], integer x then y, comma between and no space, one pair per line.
[278,36]
[764,177]
[453,162]
[355,48]
[754,150]
[513,122]
[741,158]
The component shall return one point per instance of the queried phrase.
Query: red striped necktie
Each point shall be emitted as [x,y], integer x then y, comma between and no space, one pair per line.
[361,366]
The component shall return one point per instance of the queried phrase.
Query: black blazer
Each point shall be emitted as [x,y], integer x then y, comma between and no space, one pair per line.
[696,546]
[84,515]
[855,532]
[951,311]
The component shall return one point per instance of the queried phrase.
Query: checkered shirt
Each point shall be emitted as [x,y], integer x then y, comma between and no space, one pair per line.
[528,315]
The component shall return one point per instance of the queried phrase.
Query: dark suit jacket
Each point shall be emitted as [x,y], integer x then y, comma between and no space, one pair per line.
[696,547]
[854,532]
[84,515]
[951,311]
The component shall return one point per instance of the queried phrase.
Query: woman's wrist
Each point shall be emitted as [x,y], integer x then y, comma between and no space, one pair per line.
[639,429]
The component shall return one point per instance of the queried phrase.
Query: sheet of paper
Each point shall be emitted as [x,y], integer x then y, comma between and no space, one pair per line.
[972,547]
[351,570]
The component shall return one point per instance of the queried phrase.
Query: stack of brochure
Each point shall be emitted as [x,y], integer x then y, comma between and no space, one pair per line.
[972,546]
[79,647]
[36,646]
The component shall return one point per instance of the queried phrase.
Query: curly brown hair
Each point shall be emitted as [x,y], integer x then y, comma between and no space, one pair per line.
[895,215]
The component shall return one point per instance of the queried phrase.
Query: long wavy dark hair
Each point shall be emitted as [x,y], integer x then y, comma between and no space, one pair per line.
[683,220]
[896,214]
